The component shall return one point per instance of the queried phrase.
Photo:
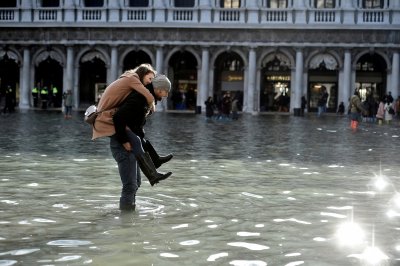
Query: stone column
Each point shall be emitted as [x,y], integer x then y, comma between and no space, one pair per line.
[251,85]
[252,10]
[295,98]
[75,90]
[346,92]
[163,105]
[395,9]
[69,73]
[26,10]
[205,11]
[113,11]
[114,65]
[24,97]
[69,8]
[348,12]
[299,9]
[160,60]
[395,88]
[202,94]
[159,11]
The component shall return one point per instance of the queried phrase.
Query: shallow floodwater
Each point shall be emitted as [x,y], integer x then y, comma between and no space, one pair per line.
[263,190]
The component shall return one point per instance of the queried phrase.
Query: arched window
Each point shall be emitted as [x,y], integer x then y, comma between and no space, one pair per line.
[372,3]
[50,3]
[138,3]
[229,3]
[8,3]
[277,3]
[94,3]
[184,3]
[324,4]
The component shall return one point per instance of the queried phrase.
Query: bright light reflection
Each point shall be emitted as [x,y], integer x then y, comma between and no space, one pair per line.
[396,199]
[350,234]
[373,256]
[380,183]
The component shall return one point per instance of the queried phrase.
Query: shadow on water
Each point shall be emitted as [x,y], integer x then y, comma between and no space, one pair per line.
[267,189]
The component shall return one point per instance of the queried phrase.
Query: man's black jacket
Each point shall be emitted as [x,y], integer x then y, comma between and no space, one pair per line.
[131,114]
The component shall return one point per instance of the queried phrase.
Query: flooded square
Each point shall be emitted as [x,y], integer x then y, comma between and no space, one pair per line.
[262,190]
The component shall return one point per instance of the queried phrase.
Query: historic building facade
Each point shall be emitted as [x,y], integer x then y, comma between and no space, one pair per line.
[267,53]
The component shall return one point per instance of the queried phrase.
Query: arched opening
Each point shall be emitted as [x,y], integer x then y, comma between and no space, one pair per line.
[184,81]
[275,84]
[371,76]
[9,80]
[134,59]
[228,80]
[49,74]
[92,79]
[323,77]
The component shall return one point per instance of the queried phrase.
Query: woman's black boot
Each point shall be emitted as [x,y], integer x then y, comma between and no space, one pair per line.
[157,160]
[149,170]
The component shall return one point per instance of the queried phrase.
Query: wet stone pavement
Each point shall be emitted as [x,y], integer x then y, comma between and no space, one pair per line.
[263,190]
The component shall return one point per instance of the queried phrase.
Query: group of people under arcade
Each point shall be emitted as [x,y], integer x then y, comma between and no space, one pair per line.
[273,101]
[184,99]
[43,97]
[226,107]
[372,110]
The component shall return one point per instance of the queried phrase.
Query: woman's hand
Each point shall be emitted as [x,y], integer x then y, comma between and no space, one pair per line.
[152,107]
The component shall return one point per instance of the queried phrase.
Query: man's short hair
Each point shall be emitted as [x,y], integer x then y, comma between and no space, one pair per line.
[161,82]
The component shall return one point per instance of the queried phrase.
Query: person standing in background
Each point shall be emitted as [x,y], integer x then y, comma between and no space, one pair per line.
[356,108]
[389,112]
[322,101]
[209,107]
[303,105]
[67,97]
[35,94]
[10,100]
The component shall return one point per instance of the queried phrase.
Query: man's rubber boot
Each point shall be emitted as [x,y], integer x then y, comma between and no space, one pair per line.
[127,207]
[157,160]
[149,170]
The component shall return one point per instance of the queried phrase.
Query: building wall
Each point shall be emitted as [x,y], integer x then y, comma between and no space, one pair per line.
[72,34]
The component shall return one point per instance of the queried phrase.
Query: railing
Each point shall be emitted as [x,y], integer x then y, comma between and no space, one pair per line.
[275,15]
[183,15]
[195,15]
[372,16]
[47,14]
[8,15]
[325,16]
[230,15]
[135,15]
[92,14]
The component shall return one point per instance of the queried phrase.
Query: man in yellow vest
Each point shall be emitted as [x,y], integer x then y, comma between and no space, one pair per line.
[44,96]
[35,95]
[54,99]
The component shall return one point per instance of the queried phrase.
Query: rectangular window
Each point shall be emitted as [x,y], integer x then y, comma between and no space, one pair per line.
[8,3]
[50,3]
[94,3]
[230,3]
[184,3]
[324,3]
[138,3]
[372,3]
[277,4]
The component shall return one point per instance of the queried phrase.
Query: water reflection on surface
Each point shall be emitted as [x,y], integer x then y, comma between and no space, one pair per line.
[263,190]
